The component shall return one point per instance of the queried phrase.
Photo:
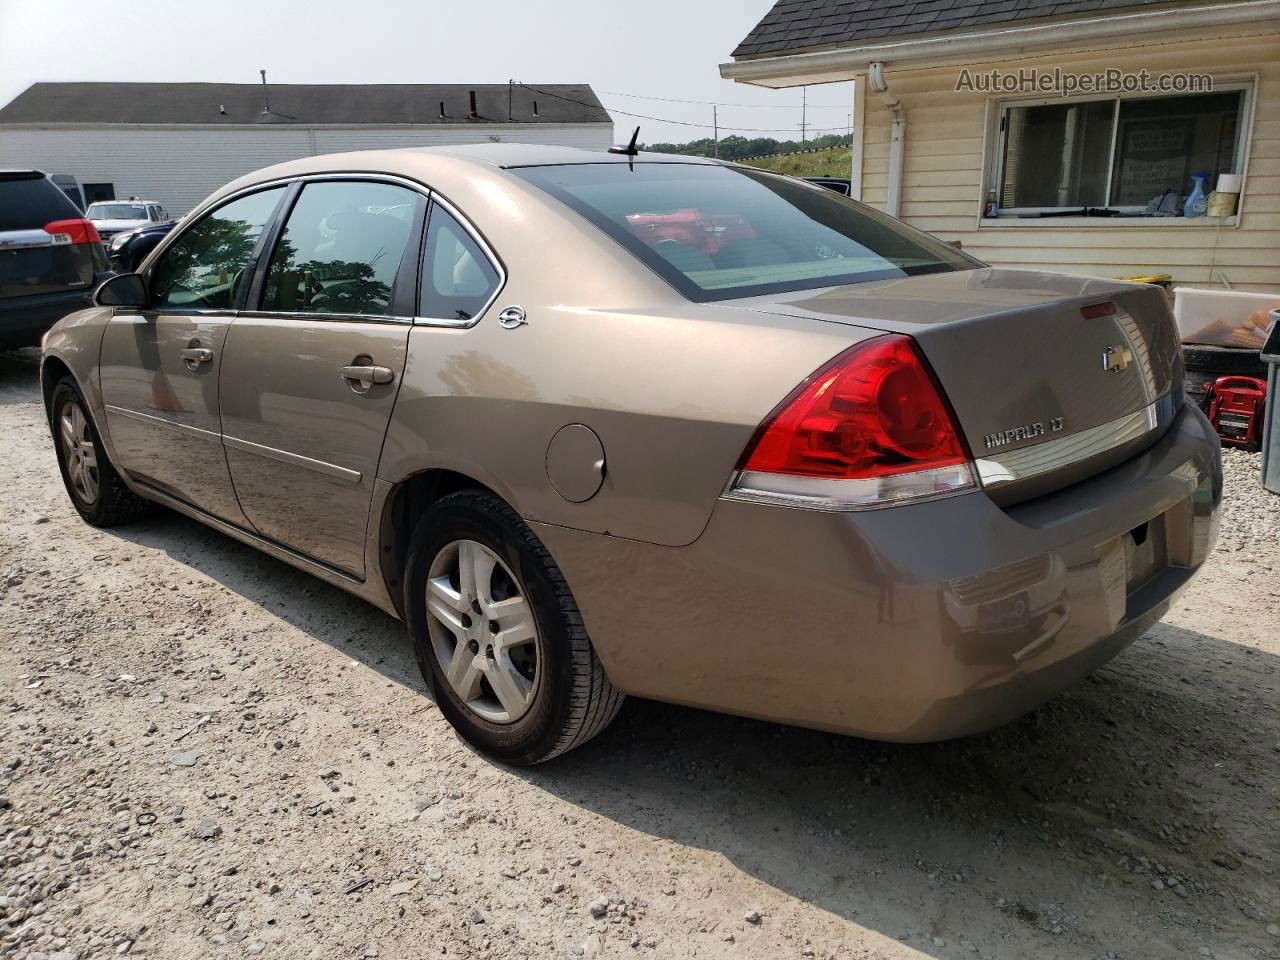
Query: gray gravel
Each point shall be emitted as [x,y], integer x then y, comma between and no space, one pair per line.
[332,813]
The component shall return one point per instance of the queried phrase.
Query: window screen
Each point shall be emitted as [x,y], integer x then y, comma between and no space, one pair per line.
[1060,155]
[341,249]
[457,278]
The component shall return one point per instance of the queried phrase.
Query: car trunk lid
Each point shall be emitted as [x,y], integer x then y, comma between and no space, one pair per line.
[1052,378]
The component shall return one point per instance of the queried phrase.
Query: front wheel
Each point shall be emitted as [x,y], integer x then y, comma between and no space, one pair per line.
[95,489]
[498,636]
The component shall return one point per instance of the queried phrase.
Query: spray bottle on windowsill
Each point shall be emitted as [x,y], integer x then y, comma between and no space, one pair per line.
[1197,202]
[991,208]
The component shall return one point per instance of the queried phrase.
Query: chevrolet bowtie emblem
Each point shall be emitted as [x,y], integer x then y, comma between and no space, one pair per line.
[1117,358]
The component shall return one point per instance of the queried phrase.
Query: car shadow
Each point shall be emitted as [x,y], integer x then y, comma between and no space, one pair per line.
[1160,766]
[19,374]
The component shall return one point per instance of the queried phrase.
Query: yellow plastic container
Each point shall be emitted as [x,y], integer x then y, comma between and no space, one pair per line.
[1160,279]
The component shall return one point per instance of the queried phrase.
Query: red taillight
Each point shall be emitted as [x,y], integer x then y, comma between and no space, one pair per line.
[869,429]
[873,411]
[73,231]
[1096,310]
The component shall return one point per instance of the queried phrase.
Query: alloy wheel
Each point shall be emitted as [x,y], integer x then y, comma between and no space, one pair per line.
[483,631]
[80,454]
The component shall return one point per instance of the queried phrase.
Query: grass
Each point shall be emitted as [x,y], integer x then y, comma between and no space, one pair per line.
[823,163]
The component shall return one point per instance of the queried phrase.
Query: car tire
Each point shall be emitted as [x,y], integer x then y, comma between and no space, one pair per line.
[569,698]
[95,488]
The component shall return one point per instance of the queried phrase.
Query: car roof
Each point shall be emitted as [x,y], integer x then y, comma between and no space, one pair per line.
[410,160]
[455,171]
[123,200]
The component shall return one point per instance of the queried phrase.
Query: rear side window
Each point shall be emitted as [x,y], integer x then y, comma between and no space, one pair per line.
[341,249]
[204,268]
[717,232]
[29,200]
[458,280]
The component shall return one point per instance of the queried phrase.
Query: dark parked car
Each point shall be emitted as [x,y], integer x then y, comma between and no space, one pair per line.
[51,257]
[837,184]
[127,250]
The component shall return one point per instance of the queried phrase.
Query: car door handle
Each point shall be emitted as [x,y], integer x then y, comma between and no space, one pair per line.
[196,355]
[368,374]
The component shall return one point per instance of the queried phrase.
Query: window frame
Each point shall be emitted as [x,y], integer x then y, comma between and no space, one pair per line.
[997,136]
[405,284]
[486,251]
[147,267]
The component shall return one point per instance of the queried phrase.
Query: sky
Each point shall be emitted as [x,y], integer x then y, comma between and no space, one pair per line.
[630,51]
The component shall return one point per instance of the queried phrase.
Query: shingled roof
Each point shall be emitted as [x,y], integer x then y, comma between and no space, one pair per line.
[794,25]
[229,104]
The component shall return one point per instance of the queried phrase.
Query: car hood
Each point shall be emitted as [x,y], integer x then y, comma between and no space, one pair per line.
[115,226]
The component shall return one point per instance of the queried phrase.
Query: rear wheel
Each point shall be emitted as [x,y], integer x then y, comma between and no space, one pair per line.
[497,633]
[96,490]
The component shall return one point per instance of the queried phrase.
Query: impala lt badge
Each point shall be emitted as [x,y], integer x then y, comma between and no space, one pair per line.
[1117,358]
[1028,431]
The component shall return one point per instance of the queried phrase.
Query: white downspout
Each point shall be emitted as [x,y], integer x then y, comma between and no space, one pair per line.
[897,138]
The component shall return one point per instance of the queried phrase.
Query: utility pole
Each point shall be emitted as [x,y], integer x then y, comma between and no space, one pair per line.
[804,108]
[715,125]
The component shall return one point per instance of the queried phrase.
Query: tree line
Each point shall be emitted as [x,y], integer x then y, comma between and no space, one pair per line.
[739,148]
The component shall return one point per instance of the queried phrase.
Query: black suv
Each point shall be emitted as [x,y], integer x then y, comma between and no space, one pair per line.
[51,258]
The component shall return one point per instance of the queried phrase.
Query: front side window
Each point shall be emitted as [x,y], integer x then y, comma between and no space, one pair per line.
[341,249]
[205,267]
[457,278]
[717,232]
[1117,156]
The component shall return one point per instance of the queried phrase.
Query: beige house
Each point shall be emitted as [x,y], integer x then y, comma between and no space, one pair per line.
[1080,119]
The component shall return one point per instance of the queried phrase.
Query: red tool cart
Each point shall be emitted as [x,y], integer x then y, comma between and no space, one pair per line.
[1235,410]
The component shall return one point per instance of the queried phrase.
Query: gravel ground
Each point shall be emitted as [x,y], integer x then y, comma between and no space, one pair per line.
[206,754]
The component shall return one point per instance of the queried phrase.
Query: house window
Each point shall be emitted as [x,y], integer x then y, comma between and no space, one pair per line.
[1115,156]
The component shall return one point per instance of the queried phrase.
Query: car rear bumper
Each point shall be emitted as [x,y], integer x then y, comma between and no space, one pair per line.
[913,623]
[23,320]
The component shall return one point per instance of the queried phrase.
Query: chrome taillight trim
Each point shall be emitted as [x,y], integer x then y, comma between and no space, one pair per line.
[843,495]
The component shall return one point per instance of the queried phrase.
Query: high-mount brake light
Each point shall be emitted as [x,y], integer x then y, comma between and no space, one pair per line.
[868,429]
[72,231]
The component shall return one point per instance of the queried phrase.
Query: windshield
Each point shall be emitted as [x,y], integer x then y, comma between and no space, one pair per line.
[117,211]
[717,232]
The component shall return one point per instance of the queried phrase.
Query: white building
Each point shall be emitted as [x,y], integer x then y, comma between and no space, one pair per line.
[176,143]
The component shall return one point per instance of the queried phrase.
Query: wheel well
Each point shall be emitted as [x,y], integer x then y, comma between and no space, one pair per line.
[411,498]
[51,371]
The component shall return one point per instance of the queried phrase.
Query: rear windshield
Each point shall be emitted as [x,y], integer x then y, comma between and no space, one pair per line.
[717,232]
[29,201]
[117,211]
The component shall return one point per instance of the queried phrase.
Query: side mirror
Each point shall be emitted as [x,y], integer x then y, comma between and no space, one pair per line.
[125,290]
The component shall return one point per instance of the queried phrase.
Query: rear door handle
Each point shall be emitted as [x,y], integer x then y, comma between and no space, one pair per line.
[364,376]
[194,355]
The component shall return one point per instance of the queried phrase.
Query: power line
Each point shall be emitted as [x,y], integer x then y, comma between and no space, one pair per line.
[680,123]
[717,103]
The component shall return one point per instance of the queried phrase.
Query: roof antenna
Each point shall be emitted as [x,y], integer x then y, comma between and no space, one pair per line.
[628,150]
